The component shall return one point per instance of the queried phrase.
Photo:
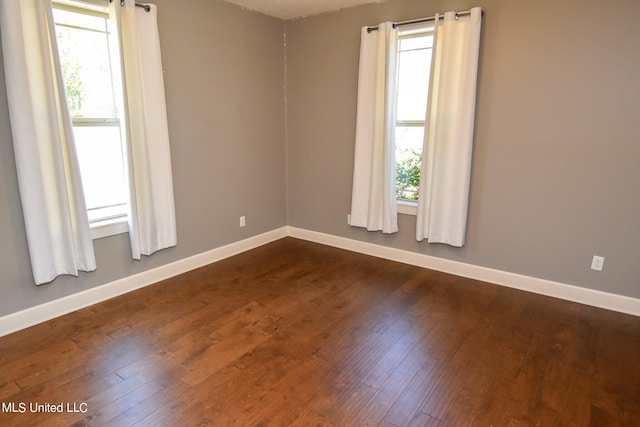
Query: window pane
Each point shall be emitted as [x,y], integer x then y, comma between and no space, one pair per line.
[108,213]
[409,140]
[91,88]
[81,20]
[101,165]
[412,43]
[414,68]
[85,63]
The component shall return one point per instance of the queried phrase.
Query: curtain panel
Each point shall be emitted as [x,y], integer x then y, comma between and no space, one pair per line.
[51,192]
[449,126]
[152,224]
[373,203]
[49,181]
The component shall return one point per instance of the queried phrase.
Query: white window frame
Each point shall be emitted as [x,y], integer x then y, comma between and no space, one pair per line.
[107,225]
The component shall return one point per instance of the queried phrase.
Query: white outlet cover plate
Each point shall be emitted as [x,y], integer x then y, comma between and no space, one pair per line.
[597,263]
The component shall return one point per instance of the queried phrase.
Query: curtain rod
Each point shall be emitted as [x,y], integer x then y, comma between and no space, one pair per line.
[421,20]
[146,7]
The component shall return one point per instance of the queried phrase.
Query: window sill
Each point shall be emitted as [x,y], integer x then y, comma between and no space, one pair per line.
[109,227]
[407,208]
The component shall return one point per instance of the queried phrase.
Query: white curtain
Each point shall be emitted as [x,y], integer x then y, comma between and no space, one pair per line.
[152,224]
[445,173]
[373,203]
[49,180]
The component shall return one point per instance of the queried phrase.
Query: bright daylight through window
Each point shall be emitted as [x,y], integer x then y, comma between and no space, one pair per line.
[414,67]
[92,89]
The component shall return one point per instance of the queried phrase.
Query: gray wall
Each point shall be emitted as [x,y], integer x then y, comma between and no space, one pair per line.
[224,84]
[555,173]
[554,182]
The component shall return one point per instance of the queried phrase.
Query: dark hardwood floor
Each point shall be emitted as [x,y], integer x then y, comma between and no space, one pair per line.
[299,334]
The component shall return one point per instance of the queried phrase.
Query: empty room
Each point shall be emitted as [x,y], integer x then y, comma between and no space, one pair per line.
[319,213]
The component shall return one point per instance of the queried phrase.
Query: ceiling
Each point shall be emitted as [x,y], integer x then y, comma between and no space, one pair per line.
[290,9]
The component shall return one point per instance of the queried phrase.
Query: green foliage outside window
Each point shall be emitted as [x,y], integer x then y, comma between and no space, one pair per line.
[73,84]
[408,176]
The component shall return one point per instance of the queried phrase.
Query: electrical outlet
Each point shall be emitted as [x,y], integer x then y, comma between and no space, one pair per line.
[242,221]
[597,263]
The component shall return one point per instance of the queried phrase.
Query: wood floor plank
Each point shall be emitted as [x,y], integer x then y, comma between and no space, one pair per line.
[423,420]
[301,334]
[455,378]
[139,402]
[411,399]
[390,390]
[221,353]
[393,358]
[8,389]
[43,360]
[349,404]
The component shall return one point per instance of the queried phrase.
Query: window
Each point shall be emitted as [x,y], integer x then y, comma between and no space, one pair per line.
[93,91]
[399,74]
[414,66]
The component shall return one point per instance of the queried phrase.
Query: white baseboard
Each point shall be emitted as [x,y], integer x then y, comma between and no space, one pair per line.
[550,288]
[31,316]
